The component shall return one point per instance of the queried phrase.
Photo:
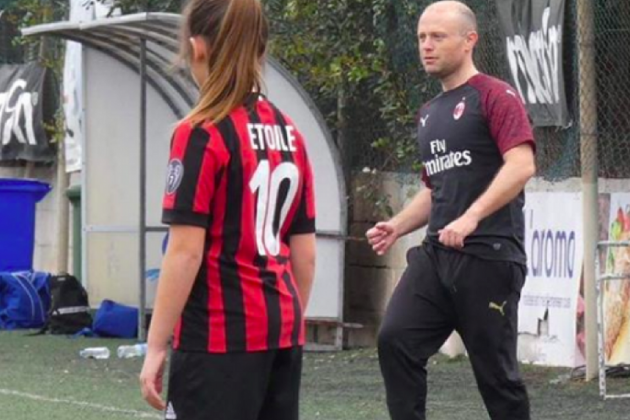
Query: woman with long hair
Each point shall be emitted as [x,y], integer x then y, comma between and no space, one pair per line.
[238,269]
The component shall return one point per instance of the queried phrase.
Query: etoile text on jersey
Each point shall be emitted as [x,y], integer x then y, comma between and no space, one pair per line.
[272,137]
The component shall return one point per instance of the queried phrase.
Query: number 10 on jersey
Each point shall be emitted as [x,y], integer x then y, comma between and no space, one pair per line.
[267,182]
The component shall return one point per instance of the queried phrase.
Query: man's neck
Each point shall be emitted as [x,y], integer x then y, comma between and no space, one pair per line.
[455,80]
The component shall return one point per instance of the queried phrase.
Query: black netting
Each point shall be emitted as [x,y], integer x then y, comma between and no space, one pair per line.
[612,95]
[378,132]
[558,149]
[362,70]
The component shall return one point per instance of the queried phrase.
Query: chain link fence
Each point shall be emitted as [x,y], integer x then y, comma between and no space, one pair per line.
[558,149]
[370,127]
[597,83]
[612,96]
[603,103]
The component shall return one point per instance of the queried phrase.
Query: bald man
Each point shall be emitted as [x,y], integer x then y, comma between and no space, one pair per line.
[477,148]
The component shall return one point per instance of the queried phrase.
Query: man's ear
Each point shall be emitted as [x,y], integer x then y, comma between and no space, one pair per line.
[471,39]
[199,49]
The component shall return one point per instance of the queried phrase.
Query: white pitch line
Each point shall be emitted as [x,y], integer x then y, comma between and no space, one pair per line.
[135,413]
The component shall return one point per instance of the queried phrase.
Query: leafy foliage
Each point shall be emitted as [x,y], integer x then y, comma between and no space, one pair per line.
[137,6]
[358,60]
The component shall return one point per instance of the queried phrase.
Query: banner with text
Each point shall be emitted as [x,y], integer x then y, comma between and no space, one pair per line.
[616,293]
[549,299]
[533,40]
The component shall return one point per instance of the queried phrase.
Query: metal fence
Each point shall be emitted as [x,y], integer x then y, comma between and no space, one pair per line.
[598,108]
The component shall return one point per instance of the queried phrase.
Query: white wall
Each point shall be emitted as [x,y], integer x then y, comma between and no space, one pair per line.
[370,279]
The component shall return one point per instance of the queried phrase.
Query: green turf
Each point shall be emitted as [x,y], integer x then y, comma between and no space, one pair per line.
[339,386]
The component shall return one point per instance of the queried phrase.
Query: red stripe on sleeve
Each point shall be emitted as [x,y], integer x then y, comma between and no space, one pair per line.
[177,334]
[425,178]
[181,138]
[205,184]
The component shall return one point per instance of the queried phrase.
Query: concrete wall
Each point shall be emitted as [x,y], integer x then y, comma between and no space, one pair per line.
[370,279]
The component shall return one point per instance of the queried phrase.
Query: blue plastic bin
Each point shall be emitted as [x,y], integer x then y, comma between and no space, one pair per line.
[18,198]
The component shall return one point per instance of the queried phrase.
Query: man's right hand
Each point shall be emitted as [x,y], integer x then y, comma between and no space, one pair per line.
[382,236]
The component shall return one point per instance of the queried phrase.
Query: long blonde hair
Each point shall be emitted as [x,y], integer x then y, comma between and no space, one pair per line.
[236,32]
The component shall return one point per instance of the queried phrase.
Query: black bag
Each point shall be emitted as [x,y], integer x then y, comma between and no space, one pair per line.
[69,307]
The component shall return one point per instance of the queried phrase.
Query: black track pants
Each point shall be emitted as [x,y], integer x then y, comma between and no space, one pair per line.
[442,291]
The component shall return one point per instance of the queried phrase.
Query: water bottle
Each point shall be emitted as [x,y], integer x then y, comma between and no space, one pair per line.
[136,350]
[95,353]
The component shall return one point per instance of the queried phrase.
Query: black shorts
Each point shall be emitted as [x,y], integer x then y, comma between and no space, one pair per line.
[234,386]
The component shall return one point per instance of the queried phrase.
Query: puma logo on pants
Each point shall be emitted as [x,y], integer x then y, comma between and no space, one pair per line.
[498,307]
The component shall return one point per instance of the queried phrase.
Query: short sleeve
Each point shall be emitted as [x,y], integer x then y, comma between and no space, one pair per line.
[190,177]
[304,220]
[508,120]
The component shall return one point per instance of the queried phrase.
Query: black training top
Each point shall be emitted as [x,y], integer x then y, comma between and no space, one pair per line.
[463,134]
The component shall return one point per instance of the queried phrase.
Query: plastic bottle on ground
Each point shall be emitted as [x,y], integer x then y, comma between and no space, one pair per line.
[95,353]
[135,350]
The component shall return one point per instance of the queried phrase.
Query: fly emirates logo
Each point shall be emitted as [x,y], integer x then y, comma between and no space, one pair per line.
[444,160]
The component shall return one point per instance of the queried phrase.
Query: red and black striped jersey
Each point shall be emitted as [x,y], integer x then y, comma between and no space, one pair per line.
[247,179]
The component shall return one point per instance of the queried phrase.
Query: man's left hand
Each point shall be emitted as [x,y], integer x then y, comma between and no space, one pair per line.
[454,234]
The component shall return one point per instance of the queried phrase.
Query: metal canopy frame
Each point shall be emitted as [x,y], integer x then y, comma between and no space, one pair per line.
[147,44]
[121,39]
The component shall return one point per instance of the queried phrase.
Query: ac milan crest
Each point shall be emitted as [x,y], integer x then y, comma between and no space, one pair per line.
[175,174]
[459,109]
